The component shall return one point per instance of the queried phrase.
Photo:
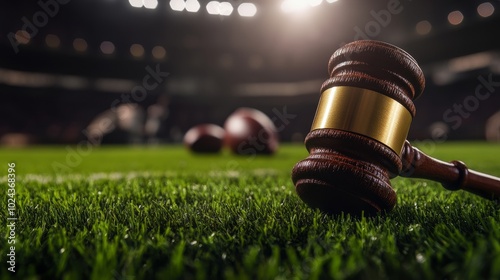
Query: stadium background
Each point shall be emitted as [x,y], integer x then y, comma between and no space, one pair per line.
[83,58]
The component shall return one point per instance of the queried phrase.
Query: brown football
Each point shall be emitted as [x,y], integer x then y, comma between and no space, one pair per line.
[204,138]
[250,132]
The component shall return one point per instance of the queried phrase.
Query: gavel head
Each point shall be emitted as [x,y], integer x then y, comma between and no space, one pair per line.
[358,132]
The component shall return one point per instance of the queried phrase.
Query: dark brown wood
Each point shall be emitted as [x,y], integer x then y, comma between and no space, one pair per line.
[453,176]
[348,172]
[377,66]
[341,175]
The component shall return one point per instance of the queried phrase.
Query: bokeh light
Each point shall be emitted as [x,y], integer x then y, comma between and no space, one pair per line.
[80,45]
[192,6]
[423,27]
[135,3]
[52,41]
[22,37]
[219,8]
[107,47]
[225,9]
[159,52]
[213,7]
[289,6]
[137,50]
[485,9]
[314,3]
[177,5]
[150,4]
[247,10]
[455,17]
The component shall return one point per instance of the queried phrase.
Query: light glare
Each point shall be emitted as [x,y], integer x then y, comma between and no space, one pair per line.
[314,3]
[192,6]
[289,6]
[177,5]
[150,4]
[247,10]
[225,9]
[213,7]
[219,8]
[135,3]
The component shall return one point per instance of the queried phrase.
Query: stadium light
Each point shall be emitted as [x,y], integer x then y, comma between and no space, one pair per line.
[225,9]
[247,10]
[150,4]
[135,3]
[177,5]
[213,7]
[314,3]
[219,8]
[192,6]
[289,6]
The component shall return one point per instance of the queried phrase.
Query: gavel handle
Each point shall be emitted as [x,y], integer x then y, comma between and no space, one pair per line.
[453,176]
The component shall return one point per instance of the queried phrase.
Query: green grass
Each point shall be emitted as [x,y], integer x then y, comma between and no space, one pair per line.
[162,213]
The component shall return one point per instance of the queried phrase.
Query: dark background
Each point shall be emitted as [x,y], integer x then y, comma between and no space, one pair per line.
[215,64]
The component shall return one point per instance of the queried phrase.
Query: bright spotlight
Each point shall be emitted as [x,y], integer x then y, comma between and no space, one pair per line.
[192,6]
[247,10]
[177,5]
[135,3]
[314,3]
[150,4]
[213,7]
[225,8]
[289,6]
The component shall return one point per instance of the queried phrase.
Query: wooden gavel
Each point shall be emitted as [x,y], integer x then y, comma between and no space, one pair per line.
[358,137]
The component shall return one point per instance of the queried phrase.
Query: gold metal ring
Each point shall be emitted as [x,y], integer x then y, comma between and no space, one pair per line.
[365,112]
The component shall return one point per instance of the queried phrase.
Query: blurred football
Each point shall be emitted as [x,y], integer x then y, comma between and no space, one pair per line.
[204,138]
[250,132]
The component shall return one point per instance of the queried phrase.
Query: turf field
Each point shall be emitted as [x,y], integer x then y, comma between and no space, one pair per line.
[162,213]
